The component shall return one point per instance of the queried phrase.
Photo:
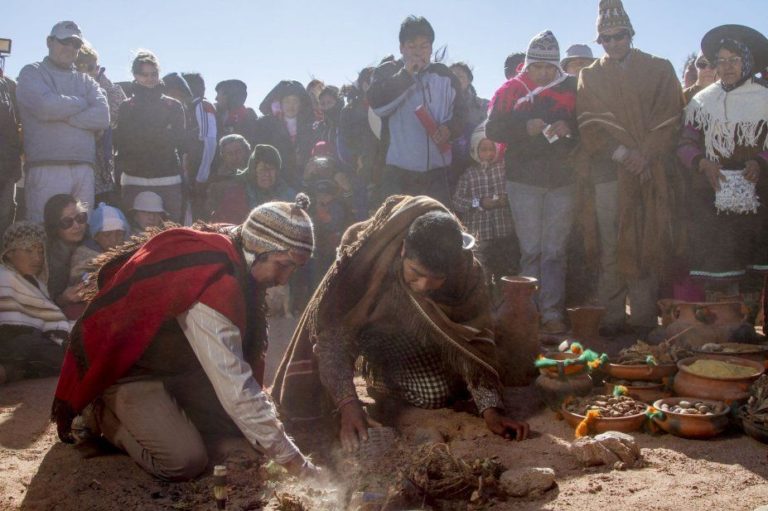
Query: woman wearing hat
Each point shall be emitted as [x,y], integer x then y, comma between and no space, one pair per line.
[32,327]
[724,145]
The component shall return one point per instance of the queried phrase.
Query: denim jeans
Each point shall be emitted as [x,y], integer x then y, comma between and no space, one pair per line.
[612,288]
[543,221]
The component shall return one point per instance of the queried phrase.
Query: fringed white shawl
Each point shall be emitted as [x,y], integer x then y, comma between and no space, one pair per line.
[22,303]
[728,119]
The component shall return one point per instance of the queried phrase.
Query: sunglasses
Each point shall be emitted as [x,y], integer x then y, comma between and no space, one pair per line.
[68,221]
[151,74]
[605,38]
[71,42]
[733,61]
[703,64]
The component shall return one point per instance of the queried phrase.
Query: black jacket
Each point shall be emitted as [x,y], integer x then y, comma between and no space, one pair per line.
[150,134]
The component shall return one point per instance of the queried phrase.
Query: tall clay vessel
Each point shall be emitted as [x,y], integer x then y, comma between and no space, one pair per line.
[517,330]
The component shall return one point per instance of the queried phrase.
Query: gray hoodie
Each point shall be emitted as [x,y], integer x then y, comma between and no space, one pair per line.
[61,111]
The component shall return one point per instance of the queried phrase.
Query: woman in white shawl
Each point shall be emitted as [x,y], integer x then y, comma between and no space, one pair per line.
[724,144]
[32,327]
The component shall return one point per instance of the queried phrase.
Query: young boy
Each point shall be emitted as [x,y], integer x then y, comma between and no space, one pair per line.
[481,202]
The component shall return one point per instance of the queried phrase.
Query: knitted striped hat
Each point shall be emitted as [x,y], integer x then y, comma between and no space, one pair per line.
[543,48]
[279,226]
[611,14]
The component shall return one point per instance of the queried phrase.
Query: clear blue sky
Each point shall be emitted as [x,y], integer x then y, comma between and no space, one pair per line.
[263,42]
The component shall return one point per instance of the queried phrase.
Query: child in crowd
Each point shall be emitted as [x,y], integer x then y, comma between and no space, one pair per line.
[147,211]
[107,228]
[481,203]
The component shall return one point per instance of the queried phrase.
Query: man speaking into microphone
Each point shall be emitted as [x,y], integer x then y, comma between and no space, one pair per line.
[422,110]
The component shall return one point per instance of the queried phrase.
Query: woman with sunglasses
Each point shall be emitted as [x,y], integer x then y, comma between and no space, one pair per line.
[32,327]
[725,148]
[65,221]
[706,74]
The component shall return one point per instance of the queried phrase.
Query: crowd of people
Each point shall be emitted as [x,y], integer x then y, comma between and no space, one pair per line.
[608,168]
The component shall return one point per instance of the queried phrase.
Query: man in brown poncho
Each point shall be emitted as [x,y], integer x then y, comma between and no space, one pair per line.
[629,105]
[406,293]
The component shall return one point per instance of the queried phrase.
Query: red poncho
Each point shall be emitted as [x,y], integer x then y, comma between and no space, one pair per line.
[159,281]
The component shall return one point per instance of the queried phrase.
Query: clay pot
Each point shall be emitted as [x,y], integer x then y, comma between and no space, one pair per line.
[643,372]
[585,322]
[711,313]
[722,389]
[748,351]
[517,330]
[561,369]
[554,389]
[603,424]
[692,426]
[645,393]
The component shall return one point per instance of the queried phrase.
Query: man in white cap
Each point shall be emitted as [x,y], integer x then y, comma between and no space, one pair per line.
[629,105]
[171,346]
[61,111]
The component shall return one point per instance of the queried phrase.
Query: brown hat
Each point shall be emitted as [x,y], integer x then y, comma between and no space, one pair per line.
[611,14]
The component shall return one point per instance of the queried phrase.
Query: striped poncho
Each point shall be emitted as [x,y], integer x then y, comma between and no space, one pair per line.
[24,301]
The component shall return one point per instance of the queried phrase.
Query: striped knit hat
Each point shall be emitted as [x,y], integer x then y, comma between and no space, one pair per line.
[279,226]
[611,14]
[543,48]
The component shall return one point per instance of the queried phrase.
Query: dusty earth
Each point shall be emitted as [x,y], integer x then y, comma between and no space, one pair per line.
[39,473]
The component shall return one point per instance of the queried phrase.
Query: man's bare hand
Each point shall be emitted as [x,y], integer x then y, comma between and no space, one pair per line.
[535,127]
[300,466]
[752,171]
[504,426]
[354,426]
[711,170]
[442,135]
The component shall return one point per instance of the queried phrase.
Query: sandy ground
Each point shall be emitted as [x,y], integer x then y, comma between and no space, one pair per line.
[38,472]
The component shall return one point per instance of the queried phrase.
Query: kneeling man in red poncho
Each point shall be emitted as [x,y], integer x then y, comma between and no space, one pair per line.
[171,346]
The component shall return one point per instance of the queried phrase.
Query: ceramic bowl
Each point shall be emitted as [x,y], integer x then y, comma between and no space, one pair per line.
[640,371]
[721,389]
[603,424]
[689,425]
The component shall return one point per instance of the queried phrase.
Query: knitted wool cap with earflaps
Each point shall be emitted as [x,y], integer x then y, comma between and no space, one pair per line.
[279,226]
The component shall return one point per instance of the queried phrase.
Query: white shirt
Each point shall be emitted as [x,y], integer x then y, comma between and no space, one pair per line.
[218,346]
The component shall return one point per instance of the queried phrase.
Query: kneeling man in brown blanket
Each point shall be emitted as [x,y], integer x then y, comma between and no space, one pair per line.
[406,294]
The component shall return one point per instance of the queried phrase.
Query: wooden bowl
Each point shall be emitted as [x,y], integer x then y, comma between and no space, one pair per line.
[561,369]
[692,426]
[640,371]
[720,389]
[603,424]
[645,393]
